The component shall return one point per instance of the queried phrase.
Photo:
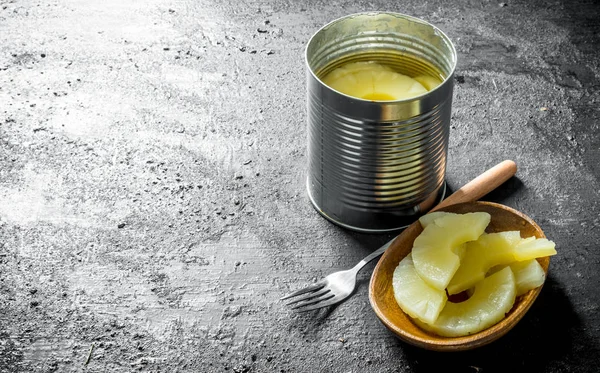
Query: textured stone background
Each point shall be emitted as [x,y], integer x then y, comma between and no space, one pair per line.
[152,201]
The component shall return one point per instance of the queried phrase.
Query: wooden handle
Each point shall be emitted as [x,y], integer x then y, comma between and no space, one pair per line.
[481,185]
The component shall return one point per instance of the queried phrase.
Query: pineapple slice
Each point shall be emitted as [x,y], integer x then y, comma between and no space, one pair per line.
[489,250]
[353,67]
[428,81]
[529,275]
[460,251]
[371,81]
[415,296]
[427,219]
[493,297]
[436,251]
[496,249]
[534,248]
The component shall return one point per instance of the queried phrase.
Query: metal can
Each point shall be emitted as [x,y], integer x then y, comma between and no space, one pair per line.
[376,166]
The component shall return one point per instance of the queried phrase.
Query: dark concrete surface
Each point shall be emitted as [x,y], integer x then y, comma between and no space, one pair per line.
[152,198]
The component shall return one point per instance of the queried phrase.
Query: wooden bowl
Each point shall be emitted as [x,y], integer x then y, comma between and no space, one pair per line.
[381,294]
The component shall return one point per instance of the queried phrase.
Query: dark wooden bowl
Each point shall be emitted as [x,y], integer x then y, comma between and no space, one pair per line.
[381,294]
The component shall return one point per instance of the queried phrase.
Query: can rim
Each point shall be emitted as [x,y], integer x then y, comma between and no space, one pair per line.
[396,14]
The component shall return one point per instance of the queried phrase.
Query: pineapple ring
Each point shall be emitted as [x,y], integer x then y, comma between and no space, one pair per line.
[428,81]
[487,251]
[492,250]
[374,82]
[415,296]
[532,247]
[529,274]
[492,299]
[351,68]
[434,251]
[427,219]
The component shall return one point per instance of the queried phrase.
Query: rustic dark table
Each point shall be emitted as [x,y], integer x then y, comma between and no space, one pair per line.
[152,185]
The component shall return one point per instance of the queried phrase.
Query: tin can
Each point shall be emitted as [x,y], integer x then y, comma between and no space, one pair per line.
[376,166]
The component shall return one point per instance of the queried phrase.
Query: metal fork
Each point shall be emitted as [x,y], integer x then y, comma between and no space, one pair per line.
[332,289]
[340,285]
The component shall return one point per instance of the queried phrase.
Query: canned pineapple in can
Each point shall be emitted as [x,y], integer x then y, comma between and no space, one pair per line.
[376,163]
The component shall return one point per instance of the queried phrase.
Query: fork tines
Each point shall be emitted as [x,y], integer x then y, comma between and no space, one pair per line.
[310,298]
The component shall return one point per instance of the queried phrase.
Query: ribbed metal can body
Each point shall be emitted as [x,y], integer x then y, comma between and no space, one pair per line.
[376,166]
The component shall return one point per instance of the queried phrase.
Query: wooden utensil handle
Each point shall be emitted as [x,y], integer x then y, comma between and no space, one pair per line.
[481,185]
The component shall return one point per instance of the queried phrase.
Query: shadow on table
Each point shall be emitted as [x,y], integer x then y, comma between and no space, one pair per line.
[505,191]
[549,338]
[499,195]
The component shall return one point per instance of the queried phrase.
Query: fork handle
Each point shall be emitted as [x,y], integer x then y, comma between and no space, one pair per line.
[472,191]
[373,255]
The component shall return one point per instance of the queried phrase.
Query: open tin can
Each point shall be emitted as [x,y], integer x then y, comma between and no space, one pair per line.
[376,166]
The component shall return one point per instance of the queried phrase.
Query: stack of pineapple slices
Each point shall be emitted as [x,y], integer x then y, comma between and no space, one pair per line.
[375,82]
[452,255]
